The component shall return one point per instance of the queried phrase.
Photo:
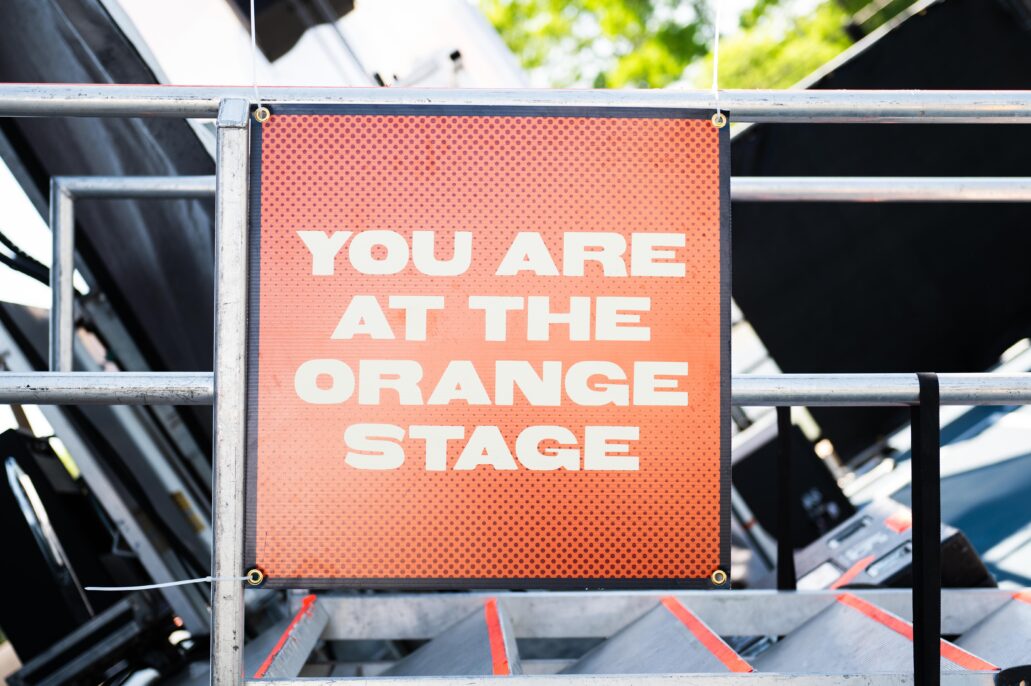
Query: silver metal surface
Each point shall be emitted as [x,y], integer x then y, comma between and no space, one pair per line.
[137,186]
[62,268]
[227,604]
[831,390]
[294,647]
[26,100]
[588,614]
[63,192]
[565,614]
[845,639]
[1003,637]
[463,648]
[879,189]
[106,388]
[743,188]
[657,643]
[840,390]
[754,679]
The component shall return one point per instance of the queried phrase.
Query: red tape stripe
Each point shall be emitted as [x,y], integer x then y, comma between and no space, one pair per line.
[1023,596]
[950,652]
[900,520]
[498,653]
[713,643]
[853,571]
[955,654]
[306,604]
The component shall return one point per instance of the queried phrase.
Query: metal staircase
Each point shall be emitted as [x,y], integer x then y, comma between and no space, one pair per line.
[667,640]
[812,634]
[480,644]
[979,621]
[1003,637]
[853,635]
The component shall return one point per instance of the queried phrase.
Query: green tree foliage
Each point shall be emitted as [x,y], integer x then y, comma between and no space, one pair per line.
[656,43]
[604,43]
[763,55]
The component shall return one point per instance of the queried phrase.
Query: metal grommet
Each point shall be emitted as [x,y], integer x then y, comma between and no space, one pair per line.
[262,114]
[719,577]
[255,577]
[719,120]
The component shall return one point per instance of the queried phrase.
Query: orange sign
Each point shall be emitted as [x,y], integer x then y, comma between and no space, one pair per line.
[489,347]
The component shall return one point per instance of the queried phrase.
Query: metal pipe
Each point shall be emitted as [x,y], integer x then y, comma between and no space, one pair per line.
[844,390]
[743,188]
[812,106]
[879,189]
[104,388]
[227,605]
[600,614]
[137,186]
[749,390]
[959,678]
[64,190]
[62,268]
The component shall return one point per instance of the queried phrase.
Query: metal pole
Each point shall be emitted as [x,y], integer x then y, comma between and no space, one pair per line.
[137,186]
[743,188]
[879,189]
[857,390]
[64,190]
[809,106]
[106,388]
[749,390]
[231,167]
[958,678]
[62,267]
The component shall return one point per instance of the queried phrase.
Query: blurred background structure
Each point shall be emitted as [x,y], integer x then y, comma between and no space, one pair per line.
[894,287]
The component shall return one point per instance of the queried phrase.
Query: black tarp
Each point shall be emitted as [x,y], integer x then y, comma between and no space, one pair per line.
[152,259]
[893,287]
[828,287]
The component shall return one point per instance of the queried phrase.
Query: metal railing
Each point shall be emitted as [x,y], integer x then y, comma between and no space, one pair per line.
[779,106]
[751,390]
[64,190]
[225,387]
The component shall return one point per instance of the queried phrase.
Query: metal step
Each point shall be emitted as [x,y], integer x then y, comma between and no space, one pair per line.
[481,644]
[1004,637]
[670,639]
[854,636]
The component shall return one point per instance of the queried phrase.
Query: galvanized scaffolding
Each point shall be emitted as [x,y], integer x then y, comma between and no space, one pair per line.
[224,388]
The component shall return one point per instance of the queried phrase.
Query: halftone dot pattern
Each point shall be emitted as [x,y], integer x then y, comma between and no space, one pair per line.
[317,517]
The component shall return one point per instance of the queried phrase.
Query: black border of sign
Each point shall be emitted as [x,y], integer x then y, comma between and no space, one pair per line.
[254,265]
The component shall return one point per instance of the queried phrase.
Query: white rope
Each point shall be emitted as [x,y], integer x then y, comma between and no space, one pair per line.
[254,59]
[715,59]
[206,579]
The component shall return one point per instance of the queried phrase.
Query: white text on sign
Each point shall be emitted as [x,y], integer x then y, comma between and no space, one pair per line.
[587,383]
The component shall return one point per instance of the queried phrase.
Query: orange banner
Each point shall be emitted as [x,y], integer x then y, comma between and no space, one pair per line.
[489,347]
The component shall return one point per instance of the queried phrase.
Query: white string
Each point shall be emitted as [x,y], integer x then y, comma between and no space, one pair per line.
[716,59]
[206,579]
[254,59]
